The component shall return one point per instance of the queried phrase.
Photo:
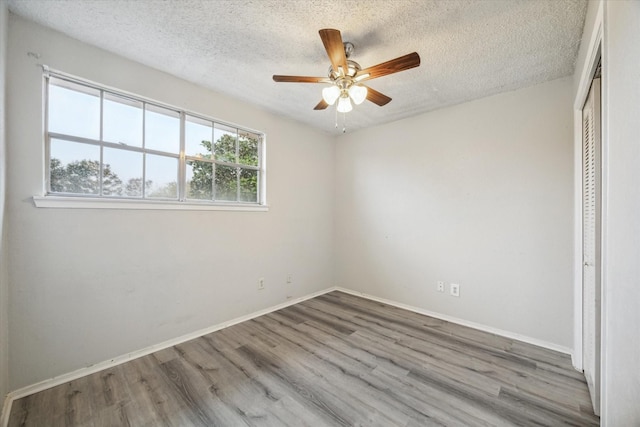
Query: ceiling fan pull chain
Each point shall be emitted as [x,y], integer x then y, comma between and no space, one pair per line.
[336,117]
[344,122]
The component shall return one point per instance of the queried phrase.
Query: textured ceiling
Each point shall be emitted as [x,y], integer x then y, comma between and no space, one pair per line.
[469,49]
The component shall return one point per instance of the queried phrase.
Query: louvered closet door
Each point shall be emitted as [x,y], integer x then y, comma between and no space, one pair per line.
[591,242]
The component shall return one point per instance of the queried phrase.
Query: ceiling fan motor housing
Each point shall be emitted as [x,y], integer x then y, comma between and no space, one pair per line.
[352,69]
[344,80]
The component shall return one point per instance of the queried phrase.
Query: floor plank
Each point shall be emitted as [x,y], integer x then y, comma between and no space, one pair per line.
[335,360]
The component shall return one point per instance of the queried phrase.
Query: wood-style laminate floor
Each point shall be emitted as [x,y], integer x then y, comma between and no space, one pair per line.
[335,360]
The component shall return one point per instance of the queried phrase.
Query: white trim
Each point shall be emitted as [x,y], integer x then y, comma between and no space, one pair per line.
[79,373]
[458,321]
[71,202]
[576,357]
[6,410]
[604,218]
[594,52]
[590,62]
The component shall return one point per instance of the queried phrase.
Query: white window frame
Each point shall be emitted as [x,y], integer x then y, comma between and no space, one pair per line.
[74,200]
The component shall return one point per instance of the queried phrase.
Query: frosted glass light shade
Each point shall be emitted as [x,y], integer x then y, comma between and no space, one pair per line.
[358,94]
[344,104]
[330,94]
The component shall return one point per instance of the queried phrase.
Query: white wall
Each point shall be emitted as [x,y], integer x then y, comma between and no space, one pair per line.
[479,194]
[88,285]
[621,284]
[4,275]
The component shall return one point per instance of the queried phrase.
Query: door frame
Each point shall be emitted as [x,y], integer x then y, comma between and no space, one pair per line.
[592,277]
[594,54]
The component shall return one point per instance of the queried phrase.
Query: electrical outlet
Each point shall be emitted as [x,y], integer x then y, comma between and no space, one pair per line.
[261,283]
[440,286]
[289,278]
[455,289]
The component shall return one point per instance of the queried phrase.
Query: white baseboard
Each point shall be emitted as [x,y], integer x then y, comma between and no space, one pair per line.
[478,326]
[79,373]
[6,410]
[61,379]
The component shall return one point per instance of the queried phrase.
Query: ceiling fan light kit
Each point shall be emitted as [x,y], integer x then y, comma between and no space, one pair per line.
[330,94]
[346,76]
[344,105]
[358,94]
[344,91]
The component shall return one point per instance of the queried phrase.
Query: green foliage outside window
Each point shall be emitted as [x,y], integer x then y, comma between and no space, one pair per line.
[83,176]
[226,177]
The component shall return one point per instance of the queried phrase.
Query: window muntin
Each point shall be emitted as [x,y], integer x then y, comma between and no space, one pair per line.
[197,130]
[122,120]
[225,170]
[74,109]
[74,168]
[126,169]
[226,143]
[102,143]
[161,129]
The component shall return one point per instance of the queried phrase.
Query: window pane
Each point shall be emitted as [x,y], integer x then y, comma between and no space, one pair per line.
[248,185]
[74,109]
[226,183]
[198,134]
[248,148]
[199,180]
[122,120]
[125,146]
[225,143]
[162,129]
[74,167]
[161,179]
[122,173]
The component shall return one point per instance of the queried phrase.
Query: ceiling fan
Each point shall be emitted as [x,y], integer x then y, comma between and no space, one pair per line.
[346,76]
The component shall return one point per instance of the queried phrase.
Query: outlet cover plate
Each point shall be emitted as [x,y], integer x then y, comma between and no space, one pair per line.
[455,289]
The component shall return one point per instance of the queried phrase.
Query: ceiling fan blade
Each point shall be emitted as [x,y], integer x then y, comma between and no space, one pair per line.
[377,97]
[332,41]
[321,105]
[300,79]
[402,63]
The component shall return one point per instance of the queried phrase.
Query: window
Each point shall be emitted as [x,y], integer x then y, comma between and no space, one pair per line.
[104,144]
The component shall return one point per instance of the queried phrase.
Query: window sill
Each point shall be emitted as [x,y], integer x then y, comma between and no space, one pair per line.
[96,203]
